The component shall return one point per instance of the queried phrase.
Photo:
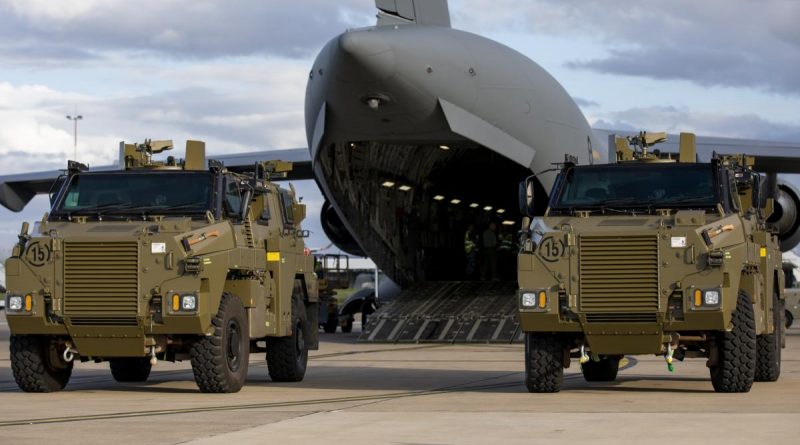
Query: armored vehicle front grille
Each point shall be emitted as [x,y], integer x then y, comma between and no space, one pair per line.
[101,280]
[103,321]
[619,278]
[623,318]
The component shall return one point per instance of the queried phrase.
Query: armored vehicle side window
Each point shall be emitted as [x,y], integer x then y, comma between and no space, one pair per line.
[286,208]
[233,197]
[136,193]
[621,186]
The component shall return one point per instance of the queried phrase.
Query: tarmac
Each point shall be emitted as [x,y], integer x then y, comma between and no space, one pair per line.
[406,394]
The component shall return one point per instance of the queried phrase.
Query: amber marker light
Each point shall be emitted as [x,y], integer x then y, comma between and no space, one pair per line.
[542,299]
[28,302]
[698,297]
[176,302]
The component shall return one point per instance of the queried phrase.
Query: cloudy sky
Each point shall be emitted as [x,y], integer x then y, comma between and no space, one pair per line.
[233,72]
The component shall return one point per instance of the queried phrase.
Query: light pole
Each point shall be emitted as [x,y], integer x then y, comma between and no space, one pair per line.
[75,120]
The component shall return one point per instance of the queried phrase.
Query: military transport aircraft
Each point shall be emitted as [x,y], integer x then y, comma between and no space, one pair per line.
[415,132]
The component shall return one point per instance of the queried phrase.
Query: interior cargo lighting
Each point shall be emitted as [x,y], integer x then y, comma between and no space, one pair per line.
[508,222]
[487,208]
[405,188]
[501,211]
[438,197]
[455,201]
[444,147]
[388,184]
[474,205]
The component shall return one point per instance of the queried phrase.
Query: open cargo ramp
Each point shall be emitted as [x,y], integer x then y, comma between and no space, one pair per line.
[448,312]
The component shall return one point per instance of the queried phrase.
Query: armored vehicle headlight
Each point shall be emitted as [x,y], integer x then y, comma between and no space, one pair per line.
[528,300]
[14,303]
[711,297]
[189,303]
[19,304]
[536,300]
[182,302]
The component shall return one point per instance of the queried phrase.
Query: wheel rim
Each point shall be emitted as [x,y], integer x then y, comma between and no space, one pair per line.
[234,344]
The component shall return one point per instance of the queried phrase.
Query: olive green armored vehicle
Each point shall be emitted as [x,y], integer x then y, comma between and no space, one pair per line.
[163,260]
[654,254]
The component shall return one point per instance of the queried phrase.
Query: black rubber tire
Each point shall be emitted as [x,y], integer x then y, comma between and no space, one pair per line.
[604,370]
[347,327]
[287,357]
[768,355]
[36,364]
[130,369]
[789,319]
[220,361]
[544,363]
[735,369]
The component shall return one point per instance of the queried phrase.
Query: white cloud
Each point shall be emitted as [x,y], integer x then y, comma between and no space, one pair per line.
[753,44]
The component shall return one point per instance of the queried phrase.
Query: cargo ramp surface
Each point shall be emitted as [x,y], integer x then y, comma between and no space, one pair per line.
[447,312]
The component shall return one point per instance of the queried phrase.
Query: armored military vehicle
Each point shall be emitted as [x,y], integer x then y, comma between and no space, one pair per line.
[654,254]
[163,260]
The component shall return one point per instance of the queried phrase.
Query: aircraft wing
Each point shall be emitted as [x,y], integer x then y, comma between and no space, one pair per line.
[771,156]
[16,191]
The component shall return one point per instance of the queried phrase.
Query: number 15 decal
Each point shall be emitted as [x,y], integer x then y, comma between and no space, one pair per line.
[551,249]
[38,254]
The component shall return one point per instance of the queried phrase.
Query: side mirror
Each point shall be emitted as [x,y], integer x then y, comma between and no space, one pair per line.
[526,189]
[265,215]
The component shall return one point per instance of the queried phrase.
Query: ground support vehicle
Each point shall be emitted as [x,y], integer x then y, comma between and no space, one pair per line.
[172,260]
[654,254]
[333,273]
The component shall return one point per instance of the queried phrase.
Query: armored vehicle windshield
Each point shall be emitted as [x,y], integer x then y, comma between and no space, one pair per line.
[136,193]
[656,185]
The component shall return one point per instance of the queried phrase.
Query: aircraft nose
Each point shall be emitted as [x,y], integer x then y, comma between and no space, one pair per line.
[364,55]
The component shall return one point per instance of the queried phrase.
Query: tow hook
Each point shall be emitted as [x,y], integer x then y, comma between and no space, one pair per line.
[668,358]
[153,359]
[584,356]
[68,354]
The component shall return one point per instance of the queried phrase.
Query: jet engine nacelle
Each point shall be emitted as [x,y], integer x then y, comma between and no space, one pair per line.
[337,232]
[784,215]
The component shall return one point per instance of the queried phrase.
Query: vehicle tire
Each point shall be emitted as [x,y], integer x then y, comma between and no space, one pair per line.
[768,355]
[544,363]
[789,318]
[220,360]
[735,369]
[347,327]
[130,369]
[331,324]
[604,370]
[37,364]
[287,357]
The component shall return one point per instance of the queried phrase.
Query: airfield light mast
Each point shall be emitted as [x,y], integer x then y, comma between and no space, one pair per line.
[75,120]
